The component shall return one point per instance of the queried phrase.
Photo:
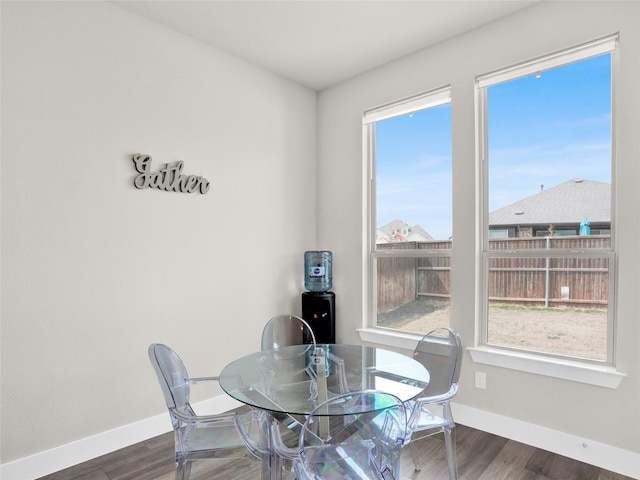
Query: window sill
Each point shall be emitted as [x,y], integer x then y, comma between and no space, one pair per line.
[601,376]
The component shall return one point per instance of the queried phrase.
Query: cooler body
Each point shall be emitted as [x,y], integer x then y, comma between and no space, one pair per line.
[318,309]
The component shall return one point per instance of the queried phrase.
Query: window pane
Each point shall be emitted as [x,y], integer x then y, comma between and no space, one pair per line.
[549,139]
[413,212]
[549,188]
[413,176]
[551,305]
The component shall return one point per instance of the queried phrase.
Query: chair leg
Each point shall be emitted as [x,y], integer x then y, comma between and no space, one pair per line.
[183,469]
[414,456]
[269,470]
[450,444]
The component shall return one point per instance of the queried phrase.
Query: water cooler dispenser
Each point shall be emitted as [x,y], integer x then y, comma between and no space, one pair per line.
[318,304]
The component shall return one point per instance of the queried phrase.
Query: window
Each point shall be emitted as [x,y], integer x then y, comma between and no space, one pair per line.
[499,233]
[546,149]
[408,152]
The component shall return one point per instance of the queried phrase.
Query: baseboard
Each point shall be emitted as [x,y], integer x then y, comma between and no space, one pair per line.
[584,450]
[59,458]
[588,451]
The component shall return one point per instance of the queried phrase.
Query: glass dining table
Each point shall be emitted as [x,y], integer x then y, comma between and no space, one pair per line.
[292,381]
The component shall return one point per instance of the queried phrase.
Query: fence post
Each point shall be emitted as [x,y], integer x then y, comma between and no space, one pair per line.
[416,277]
[546,277]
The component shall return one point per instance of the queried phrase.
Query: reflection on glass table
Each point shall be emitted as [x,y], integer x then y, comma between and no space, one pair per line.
[293,380]
[286,380]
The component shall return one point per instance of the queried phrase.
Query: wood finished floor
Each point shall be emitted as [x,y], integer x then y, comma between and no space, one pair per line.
[481,456]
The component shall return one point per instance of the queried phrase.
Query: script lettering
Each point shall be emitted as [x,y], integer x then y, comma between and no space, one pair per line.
[169,178]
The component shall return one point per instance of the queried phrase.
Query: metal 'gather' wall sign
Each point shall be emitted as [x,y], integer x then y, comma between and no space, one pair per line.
[169,178]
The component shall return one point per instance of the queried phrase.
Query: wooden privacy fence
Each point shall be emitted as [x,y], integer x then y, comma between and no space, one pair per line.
[542,281]
[404,279]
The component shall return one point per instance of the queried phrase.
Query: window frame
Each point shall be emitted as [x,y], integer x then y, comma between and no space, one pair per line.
[603,375]
[483,83]
[423,101]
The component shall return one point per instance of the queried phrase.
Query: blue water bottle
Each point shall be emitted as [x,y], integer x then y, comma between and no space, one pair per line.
[318,276]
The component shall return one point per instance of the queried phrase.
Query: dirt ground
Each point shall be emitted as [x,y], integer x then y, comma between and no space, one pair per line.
[577,333]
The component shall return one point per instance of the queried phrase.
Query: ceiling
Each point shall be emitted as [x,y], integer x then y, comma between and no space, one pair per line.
[321,43]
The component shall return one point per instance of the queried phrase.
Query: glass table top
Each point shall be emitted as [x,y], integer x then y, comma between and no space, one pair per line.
[296,379]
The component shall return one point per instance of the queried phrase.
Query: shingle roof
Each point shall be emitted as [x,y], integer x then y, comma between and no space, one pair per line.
[568,202]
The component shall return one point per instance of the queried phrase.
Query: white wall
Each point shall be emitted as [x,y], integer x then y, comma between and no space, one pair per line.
[609,416]
[94,270]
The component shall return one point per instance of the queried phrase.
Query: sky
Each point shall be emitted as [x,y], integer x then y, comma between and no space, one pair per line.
[542,131]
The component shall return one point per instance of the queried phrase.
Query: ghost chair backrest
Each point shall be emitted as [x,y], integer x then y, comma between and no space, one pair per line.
[285,330]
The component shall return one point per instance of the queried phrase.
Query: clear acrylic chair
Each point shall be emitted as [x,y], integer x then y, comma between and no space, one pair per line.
[356,436]
[279,332]
[287,330]
[440,351]
[198,437]
[284,330]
